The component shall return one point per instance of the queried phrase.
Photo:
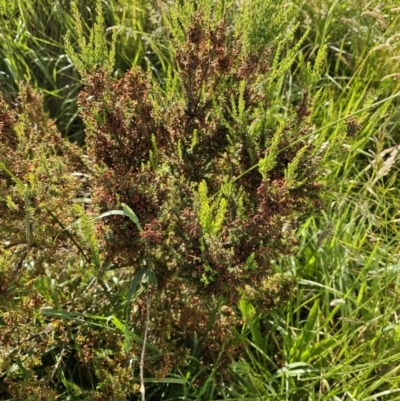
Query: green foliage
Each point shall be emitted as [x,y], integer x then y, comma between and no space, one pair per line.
[264,22]
[32,48]
[32,167]
[181,14]
[209,131]
[337,337]
[95,54]
[211,225]
[267,163]
[158,155]
[200,182]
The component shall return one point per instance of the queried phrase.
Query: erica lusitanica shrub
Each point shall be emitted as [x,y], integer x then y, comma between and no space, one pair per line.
[217,181]
[218,174]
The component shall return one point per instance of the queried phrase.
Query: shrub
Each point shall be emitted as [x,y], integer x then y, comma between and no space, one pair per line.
[36,188]
[219,183]
[216,180]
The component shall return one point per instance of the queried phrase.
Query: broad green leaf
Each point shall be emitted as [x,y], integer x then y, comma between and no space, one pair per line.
[131,214]
[132,290]
[167,380]
[307,334]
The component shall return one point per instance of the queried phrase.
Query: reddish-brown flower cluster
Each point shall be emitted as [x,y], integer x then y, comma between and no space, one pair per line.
[154,150]
[37,186]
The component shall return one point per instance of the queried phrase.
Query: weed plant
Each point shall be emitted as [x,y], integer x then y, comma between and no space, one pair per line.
[200,182]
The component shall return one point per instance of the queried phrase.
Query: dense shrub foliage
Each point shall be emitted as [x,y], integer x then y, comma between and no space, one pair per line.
[36,189]
[36,192]
[217,183]
[216,177]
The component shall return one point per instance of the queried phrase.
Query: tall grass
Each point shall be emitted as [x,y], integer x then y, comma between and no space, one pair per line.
[33,49]
[338,339]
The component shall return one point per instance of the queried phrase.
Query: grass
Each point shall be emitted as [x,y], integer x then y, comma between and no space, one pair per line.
[33,49]
[339,336]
